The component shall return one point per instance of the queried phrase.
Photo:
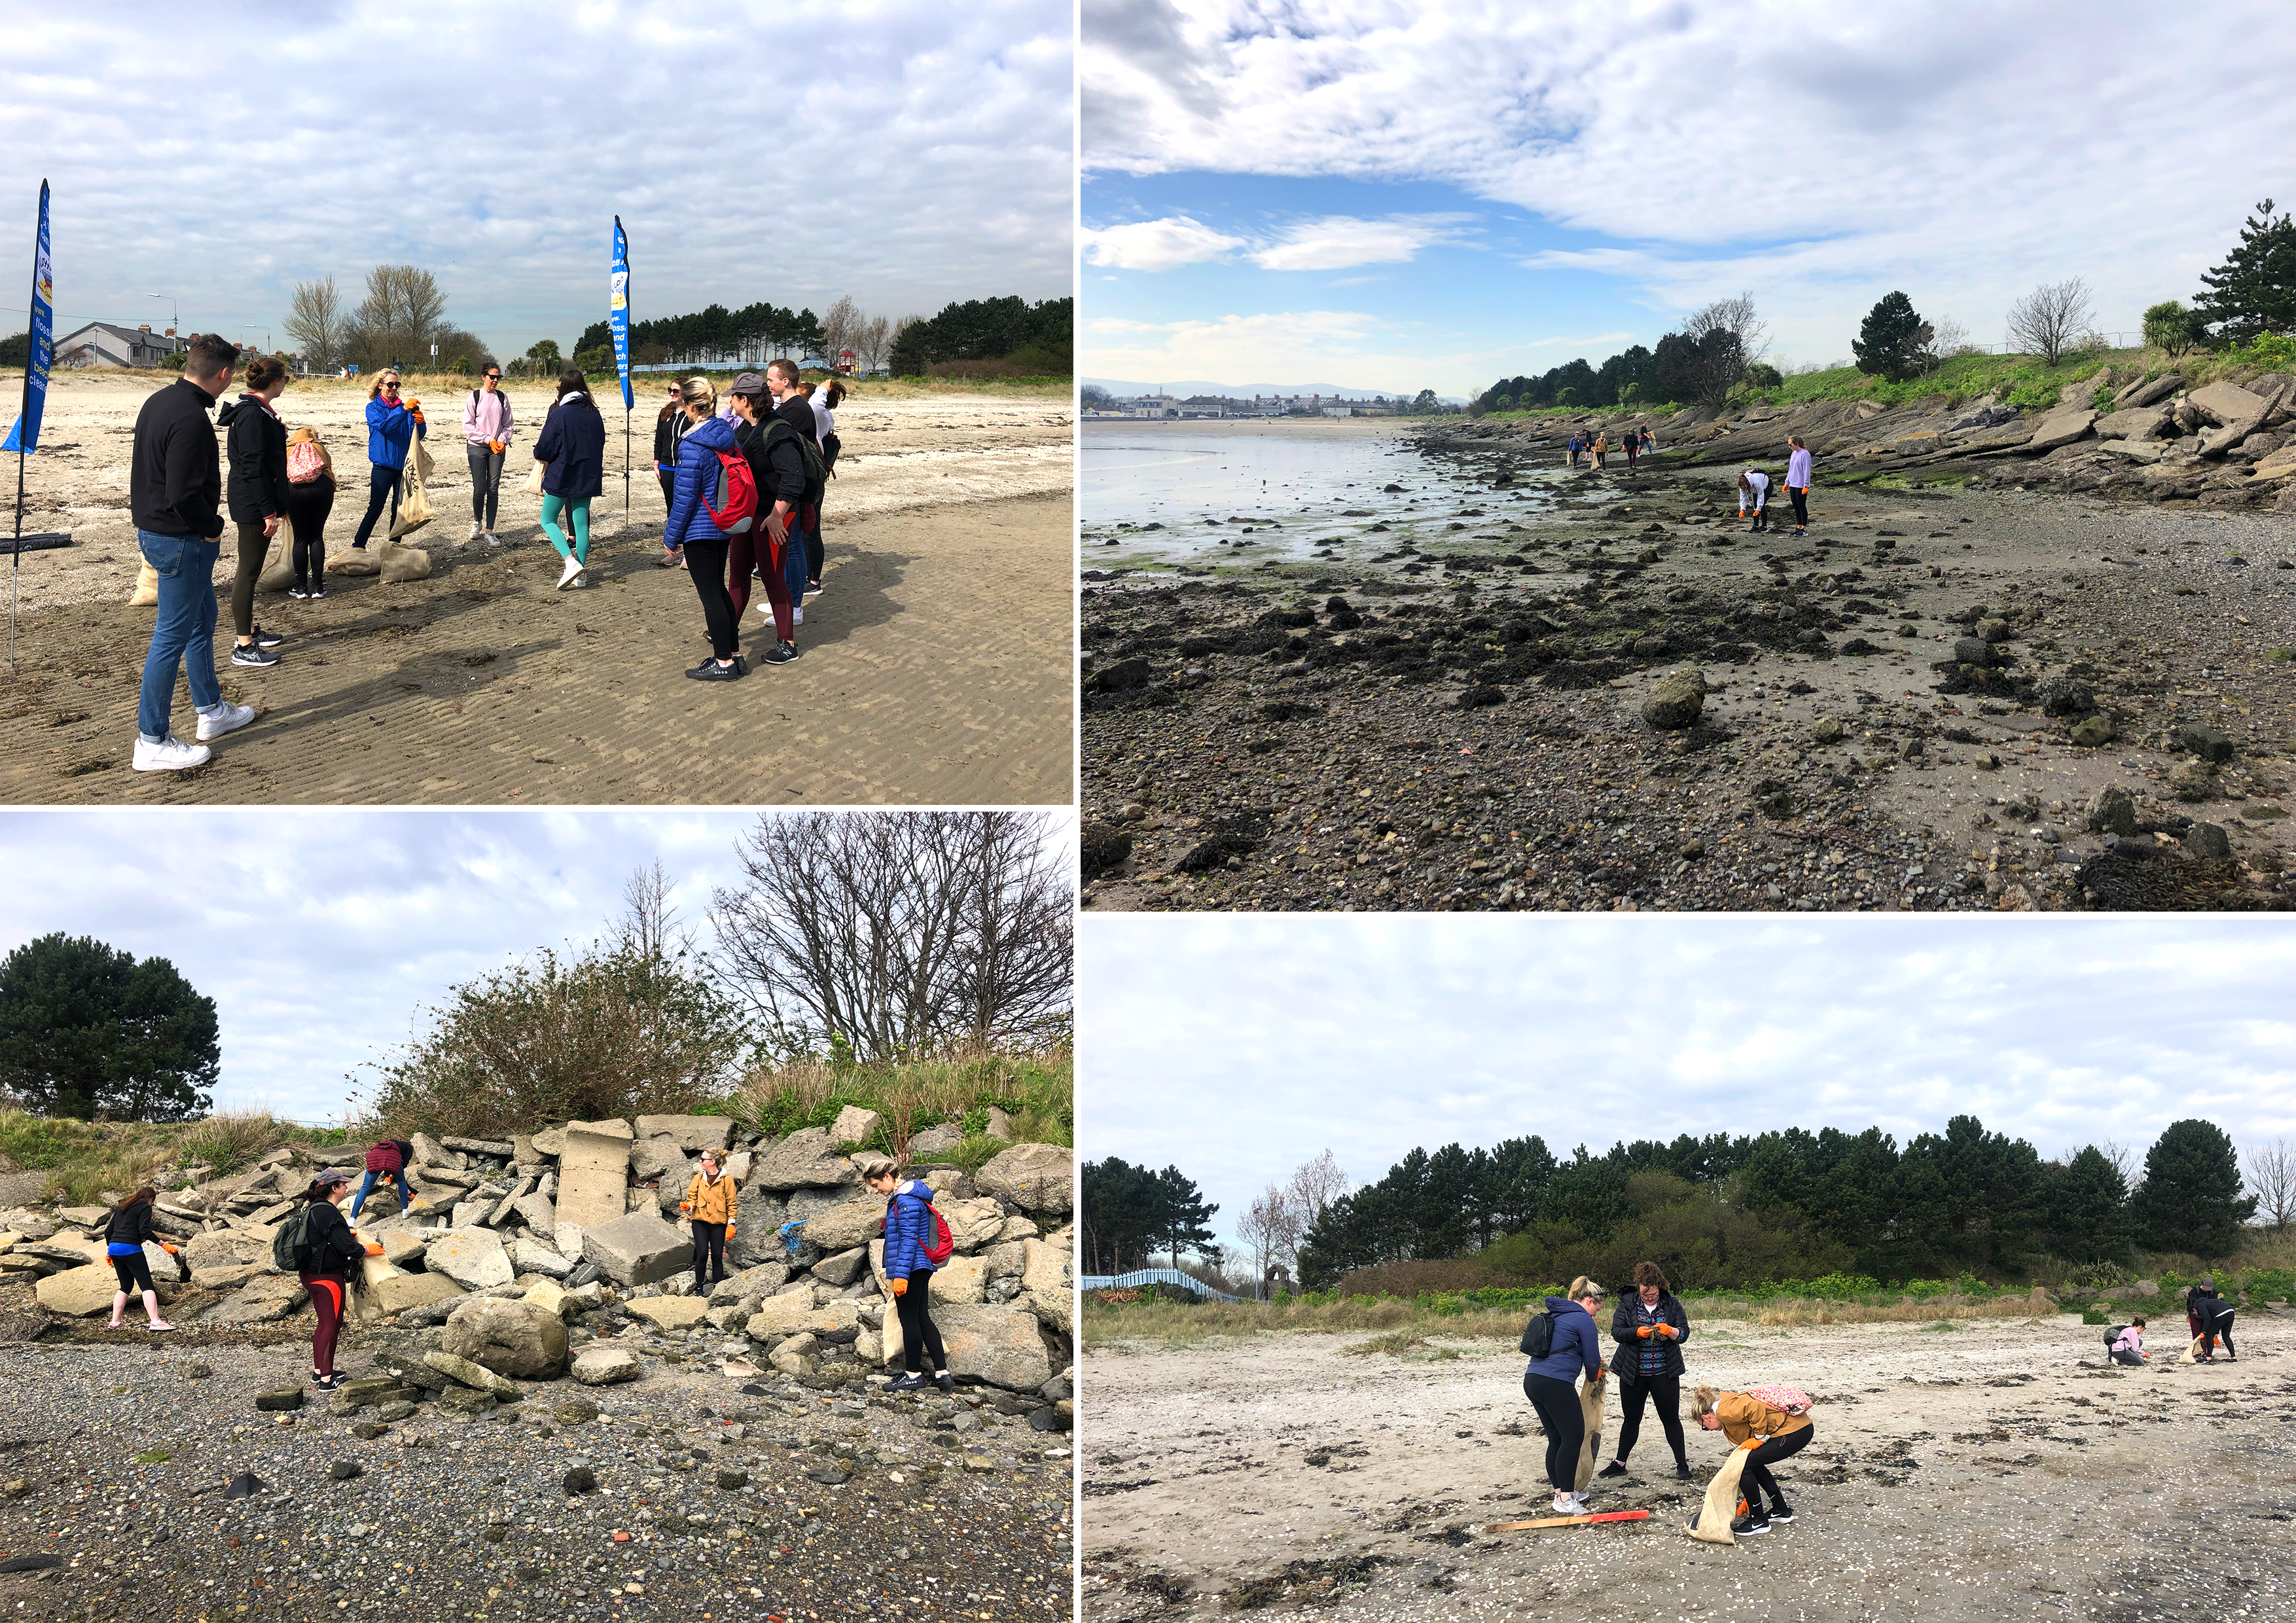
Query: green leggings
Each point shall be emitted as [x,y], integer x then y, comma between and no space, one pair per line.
[578,510]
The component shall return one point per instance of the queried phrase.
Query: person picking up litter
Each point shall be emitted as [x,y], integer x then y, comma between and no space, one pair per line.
[2129,1344]
[1779,1417]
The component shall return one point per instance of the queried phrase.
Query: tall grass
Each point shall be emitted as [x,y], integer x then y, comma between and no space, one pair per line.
[1037,1090]
[85,1160]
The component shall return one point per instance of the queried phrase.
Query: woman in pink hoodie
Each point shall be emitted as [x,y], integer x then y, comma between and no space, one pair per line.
[485,437]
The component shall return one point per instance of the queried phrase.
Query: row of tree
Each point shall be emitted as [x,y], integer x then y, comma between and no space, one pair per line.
[716,334]
[1712,354]
[1013,334]
[1965,1198]
[881,934]
[398,321]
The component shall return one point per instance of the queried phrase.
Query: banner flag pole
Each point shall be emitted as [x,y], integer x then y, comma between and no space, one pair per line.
[618,318]
[24,438]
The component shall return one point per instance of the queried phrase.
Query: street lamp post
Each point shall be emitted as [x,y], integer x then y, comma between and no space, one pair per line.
[176,311]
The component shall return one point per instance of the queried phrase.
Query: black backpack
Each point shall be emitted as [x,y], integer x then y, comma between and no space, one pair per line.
[1538,1335]
[816,475]
[2113,1335]
[291,1246]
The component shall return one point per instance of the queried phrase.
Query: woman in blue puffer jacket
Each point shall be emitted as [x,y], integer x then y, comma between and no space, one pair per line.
[909,1230]
[393,426]
[1551,1383]
[690,529]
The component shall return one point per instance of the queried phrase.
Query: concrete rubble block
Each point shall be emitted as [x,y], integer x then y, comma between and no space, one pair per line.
[854,1124]
[227,1248]
[763,1280]
[2142,422]
[658,1158]
[796,1355]
[973,1225]
[1007,1259]
[260,1302]
[670,1312]
[2062,428]
[538,1212]
[165,1270]
[550,1143]
[429,1152]
[959,1281]
[402,1247]
[606,1365]
[1002,1346]
[774,1315]
[594,1172]
[522,1339]
[637,1250]
[472,1258]
[831,1316]
[468,1372]
[845,1226]
[532,1256]
[807,1159]
[2221,403]
[501,1149]
[78,1293]
[693,1134]
[568,1239]
[1019,1228]
[1033,1177]
[228,1277]
[86,1216]
[844,1267]
[403,1291]
[738,1166]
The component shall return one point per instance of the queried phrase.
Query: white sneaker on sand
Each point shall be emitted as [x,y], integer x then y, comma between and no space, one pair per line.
[224,718]
[566,576]
[492,539]
[171,754]
[797,615]
[475,529]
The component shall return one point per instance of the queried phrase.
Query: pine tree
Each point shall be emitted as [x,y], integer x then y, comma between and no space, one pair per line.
[2088,1205]
[1889,341]
[87,1028]
[2191,1200]
[2254,290]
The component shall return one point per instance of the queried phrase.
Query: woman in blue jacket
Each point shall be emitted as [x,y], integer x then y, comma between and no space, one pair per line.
[1551,1383]
[691,529]
[392,427]
[573,443]
[908,1273]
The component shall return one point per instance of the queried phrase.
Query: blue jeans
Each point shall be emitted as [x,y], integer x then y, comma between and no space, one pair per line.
[793,560]
[184,635]
[406,1196]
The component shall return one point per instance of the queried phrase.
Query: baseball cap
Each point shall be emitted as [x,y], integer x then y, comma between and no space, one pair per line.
[333,1174]
[750,383]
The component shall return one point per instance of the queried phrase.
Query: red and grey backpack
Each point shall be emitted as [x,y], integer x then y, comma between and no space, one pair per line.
[943,1243]
[736,506]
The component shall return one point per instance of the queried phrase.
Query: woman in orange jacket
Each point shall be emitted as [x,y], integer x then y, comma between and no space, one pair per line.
[1783,1432]
[711,1203]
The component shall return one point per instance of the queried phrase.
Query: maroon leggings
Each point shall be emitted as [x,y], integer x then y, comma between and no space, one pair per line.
[328,1295]
[741,562]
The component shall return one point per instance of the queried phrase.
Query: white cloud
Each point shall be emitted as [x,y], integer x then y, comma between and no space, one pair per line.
[1348,348]
[1341,241]
[1158,245]
[906,153]
[1962,156]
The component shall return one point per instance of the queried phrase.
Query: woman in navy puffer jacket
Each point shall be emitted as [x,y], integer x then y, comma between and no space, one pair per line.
[1551,1383]
[909,1230]
[690,529]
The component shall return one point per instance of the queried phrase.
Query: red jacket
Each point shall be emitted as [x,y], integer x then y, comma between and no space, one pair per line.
[385,1157]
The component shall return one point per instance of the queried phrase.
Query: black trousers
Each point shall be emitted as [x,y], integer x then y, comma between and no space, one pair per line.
[1757,1479]
[1557,1403]
[709,1255]
[919,1334]
[1666,1392]
[307,506]
[2220,1331]
[382,485]
[2133,1360]
[1801,500]
[705,560]
[134,1273]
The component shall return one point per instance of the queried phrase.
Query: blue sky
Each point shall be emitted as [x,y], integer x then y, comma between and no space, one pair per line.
[1235,1047]
[1382,195]
[905,152]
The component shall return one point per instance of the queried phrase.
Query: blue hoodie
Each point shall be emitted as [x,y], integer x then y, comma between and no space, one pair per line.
[697,477]
[390,429]
[908,1216]
[1577,1348]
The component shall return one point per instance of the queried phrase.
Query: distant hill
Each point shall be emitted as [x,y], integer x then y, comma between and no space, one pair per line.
[1183,387]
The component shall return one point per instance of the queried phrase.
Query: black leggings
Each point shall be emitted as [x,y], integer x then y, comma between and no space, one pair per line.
[2220,1331]
[1666,1392]
[1801,500]
[1557,1403]
[919,1334]
[254,546]
[307,506]
[134,1272]
[709,1254]
[1757,1479]
[382,485]
[2133,1360]
[705,560]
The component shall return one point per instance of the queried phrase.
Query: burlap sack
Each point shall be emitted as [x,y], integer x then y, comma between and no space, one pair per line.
[1720,1505]
[2193,1353]
[400,562]
[353,560]
[146,594]
[414,508]
[278,564]
[1590,1442]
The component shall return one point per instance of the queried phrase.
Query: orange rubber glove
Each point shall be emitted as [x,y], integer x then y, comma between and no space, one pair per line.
[900,1287]
[1644,1333]
[374,1250]
[729,1231]
[685,1206]
[1668,1331]
[497,446]
[166,1248]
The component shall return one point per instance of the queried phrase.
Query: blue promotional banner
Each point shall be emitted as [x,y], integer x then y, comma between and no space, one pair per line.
[25,436]
[617,308]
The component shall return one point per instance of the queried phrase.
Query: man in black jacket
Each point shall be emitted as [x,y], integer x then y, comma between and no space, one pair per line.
[175,481]
[791,407]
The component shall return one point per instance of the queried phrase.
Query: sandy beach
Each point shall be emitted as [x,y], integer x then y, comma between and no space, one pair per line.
[932,667]
[1998,1469]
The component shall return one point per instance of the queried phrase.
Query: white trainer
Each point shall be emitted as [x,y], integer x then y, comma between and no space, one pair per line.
[171,754]
[224,718]
[477,529]
[797,615]
[567,576]
[493,539]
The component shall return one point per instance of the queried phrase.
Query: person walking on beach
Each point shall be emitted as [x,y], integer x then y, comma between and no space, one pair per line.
[1551,1383]
[791,407]
[1780,1418]
[711,1204]
[124,1240]
[389,1161]
[692,530]
[909,1231]
[1754,491]
[1649,1326]
[777,466]
[256,491]
[573,442]
[667,430]
[311,498]
[1571,455]
[324,1252]
[175,483]
[392,427]
[1798,483]
[486,440]
[1633,441]
[1601,446]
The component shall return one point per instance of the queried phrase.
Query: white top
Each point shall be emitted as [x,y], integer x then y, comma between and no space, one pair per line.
[1759,479]
[823,422]
[1798,470]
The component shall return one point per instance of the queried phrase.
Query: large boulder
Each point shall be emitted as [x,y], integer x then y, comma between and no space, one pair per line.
[2141,422]
[637,1250]
[227,1248]
[2062,428]
[1033,1177]
[260,1302]
[77,1292]
[472,1258]
[402,1292]
[511,1338]
[1046,1285]
[594,1171]
[1673,704]
[2219,403]
[1002,1346]
[691,1132]
[658,1158]
[847,1225]
[807,1159]
[606,1365]
[974,1224]
[853,1126]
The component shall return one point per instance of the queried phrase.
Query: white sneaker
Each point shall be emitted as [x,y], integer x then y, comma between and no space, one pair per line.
[797,616]
[171,754]
[224,718]
[493,539]
[566,576]
[476,532]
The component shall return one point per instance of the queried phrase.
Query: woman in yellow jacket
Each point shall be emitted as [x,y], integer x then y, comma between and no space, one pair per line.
[1744,1417]
[711,1205]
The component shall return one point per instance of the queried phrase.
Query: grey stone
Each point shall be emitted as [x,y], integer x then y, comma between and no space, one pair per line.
[658,1158]
[476,1376]
[1033,1177]
[472,1258]
[606,1365]
[933,1141]
[282,1397]
[2207,840]
[845,1267]
[501,1149]
[846,1226]
[854,1124]
[1675,701]
[579,1478]
[999,1126]
[2143,422]
[2093,732]
[762,1280]
[594,1171]
[2111,810]
[1003,1348]
[1972,651]
[511,1338]
[807,1159]
[637,1250]
[2061,427]
[691,1132]
[2144,1287]
[2210,743]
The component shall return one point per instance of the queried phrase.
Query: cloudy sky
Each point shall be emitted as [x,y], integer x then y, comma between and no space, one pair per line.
[906,153]
[1385,193]
[1237,1047]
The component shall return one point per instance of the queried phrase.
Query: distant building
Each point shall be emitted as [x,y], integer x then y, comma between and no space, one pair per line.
[102,344]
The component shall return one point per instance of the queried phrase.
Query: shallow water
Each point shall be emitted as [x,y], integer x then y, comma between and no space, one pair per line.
[1228,500]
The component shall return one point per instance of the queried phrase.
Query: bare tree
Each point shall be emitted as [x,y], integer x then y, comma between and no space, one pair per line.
[903,932]
[2047,321]
[317,323]
[402,312]
[874,341]
[841,328]
[2124,1161]
[1942,339]
[650,925]
[1314,1187]
[1727,338]
[2272,1180]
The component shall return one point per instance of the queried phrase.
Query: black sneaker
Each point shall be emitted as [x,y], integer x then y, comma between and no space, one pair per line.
[945,1381]
[1782,1513]
[1613,1469]
[1745,1526]
[252,653]
[783,653]
[268,639]
[317,593]
[297,592]
[1682,1470]
[904,1383]
[710,670]
[328,1383]
[742,663]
